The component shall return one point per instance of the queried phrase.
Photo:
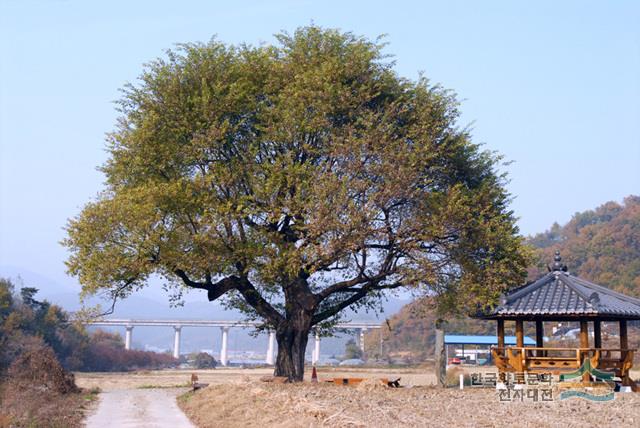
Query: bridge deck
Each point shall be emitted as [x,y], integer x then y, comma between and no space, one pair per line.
[211,323]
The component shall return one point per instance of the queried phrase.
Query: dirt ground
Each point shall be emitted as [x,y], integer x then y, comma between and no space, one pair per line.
[237,398]
[149,408]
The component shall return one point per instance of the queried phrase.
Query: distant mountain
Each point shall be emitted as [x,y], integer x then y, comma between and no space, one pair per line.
[410,333]
[28,278]
[600,245]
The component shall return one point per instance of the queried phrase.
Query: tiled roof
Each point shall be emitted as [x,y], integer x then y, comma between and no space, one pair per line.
[560,293]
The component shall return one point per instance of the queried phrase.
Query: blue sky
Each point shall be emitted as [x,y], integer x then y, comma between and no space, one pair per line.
[553,86]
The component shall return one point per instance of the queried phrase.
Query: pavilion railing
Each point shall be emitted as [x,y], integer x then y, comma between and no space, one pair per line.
[521,359]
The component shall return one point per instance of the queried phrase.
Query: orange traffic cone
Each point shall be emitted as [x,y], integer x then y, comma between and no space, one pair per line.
[314,375]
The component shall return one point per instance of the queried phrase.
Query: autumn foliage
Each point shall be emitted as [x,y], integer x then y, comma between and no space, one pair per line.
[28,325]
[106,352]
[600,245]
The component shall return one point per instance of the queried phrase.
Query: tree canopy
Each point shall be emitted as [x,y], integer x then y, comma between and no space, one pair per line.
[292,181]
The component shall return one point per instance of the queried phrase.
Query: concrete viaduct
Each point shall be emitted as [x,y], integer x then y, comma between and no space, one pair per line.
[129,324]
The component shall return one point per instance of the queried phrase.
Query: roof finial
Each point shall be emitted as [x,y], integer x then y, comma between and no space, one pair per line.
[557,262]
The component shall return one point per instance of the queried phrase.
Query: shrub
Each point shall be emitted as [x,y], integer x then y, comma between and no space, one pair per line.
[38,392]
[453,377]
[351,350]
[40,369]
[202,360]
[106,353]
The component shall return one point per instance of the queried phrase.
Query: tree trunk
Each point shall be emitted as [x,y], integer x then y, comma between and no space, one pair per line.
[292,337]
[440,355]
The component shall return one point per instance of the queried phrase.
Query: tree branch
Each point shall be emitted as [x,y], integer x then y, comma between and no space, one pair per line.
[233,282]
[214,290]
[359,293]
[257,302]
[360,279]
[115,294]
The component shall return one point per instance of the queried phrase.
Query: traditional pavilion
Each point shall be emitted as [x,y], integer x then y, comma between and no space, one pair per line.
[560,296]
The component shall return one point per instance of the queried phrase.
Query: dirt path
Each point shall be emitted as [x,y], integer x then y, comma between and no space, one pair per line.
[129,408]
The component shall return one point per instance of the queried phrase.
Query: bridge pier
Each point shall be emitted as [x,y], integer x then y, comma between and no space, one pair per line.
[271,348]
[176,341]
[359,327]
[223,352]
[127,337]
[315,355]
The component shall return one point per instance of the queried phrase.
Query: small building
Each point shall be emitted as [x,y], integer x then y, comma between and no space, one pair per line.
[560,296]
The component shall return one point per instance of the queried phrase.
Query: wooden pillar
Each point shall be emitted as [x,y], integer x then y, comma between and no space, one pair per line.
[539,337]
[584,343]
[624,342]
[520,344]
[501,335]
[501,350]
[584,334]
[519,333]
[597,334]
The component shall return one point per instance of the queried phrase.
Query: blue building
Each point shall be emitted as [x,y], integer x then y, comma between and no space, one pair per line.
[477,347]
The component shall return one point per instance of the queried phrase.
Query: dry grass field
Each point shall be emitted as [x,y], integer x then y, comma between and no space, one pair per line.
[225,376]
[237,398]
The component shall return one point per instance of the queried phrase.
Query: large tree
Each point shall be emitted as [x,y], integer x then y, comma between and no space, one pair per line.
[294,181]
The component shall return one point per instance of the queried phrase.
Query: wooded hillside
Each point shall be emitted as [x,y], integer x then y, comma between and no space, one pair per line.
[601,245]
